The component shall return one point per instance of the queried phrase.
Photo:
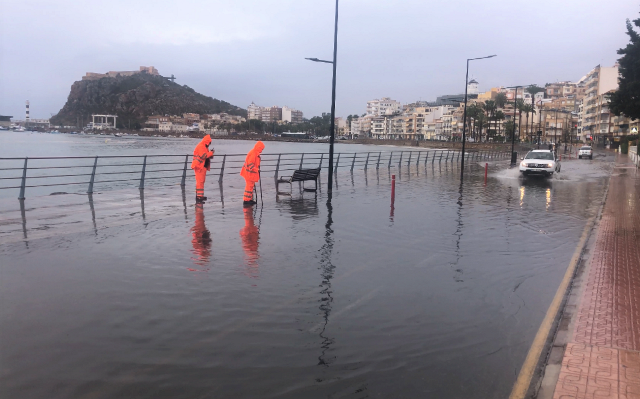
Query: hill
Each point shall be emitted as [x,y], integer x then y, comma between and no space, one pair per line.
[134,98]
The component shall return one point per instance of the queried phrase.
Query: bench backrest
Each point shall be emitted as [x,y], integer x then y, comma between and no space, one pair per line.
[305,174]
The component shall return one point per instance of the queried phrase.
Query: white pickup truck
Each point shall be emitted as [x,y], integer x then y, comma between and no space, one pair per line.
[585,151]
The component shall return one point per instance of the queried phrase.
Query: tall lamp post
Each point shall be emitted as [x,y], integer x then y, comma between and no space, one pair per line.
[464,114]
[333,102]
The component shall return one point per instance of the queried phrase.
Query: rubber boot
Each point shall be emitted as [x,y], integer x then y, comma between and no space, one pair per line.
[247,204]
[200,200]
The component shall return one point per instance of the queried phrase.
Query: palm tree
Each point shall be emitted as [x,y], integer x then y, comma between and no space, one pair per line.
[527,108]
[499,117]
[481,118]
[500,100]
[472,113]
[490,107]
[533,90]
[509,127]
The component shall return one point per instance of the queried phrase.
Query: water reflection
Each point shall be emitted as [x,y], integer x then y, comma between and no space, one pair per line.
[201,241]
[93,214]
[250,236]
[457,277]
[144,218]
[23,213]
[300,208]
[326,301]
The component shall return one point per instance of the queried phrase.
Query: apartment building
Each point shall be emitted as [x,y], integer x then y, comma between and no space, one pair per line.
[561,89]
[361,126]
[254,112]
[271,114]
[274,114]
[291,115]
[595,118]
[383,106]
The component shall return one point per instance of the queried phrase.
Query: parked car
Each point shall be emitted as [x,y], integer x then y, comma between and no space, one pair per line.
[540,162]
[585,151]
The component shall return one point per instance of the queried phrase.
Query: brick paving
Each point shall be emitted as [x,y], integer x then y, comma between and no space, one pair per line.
[602,358]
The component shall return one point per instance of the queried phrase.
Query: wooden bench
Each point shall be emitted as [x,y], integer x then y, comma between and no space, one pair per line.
[302,175]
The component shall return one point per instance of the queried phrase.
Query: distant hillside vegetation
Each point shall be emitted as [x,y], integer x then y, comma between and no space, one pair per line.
[134,98]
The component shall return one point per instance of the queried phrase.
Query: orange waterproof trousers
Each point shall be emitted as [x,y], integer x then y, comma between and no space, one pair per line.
[248,190]
[201,175]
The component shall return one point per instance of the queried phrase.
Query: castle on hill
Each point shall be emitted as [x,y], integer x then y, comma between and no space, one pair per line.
[112,74]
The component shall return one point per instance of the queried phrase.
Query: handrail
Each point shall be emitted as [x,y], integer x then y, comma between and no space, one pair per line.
[221,164]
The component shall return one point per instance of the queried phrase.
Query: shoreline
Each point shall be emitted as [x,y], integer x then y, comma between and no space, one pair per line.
[364,141]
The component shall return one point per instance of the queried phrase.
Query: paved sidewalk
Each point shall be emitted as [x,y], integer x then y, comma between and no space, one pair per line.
[602,357]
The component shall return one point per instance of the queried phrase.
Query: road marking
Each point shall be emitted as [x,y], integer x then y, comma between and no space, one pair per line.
[521,386]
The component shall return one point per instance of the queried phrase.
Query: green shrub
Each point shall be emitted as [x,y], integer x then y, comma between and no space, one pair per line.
[624,147]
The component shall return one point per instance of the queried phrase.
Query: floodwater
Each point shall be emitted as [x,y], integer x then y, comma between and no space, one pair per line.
[122,295]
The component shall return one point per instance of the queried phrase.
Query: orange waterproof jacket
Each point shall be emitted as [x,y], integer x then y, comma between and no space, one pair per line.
[201,154]
[251,168]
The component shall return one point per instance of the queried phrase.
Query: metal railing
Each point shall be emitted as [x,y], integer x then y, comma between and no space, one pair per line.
[116,171]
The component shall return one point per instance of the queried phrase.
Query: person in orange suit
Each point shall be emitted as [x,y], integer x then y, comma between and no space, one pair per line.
[201,240]
[250,235]
[200,165]
[251,172]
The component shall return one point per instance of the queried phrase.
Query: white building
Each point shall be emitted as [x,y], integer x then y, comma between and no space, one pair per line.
[165,126]
[383,106]
[472,87]
[254,112]
[291,115]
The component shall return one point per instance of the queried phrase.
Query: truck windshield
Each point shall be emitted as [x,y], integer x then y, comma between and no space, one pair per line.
[540,155]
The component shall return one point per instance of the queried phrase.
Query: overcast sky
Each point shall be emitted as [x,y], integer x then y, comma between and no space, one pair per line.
[253,50]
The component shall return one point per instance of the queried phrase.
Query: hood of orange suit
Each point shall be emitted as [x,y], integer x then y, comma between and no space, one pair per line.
[206,140]
[259,146]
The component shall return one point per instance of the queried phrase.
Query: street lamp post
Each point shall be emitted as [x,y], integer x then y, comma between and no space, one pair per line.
[540,124]
[464,114]
[333,101]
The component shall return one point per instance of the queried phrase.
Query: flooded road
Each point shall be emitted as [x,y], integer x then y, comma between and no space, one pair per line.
[116,297]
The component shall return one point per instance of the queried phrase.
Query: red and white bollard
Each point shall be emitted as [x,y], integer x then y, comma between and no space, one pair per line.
[393,189]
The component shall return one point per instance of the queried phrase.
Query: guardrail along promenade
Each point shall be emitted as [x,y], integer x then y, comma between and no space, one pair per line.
[113,171]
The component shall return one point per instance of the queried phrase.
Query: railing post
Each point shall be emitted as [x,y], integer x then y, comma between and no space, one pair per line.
[353,163]
[366,164]
[426,158]
[184,171]
[390,157]
[144,168]
[446,160]
[93,176]
[409,161]
[335,170]
[301,160]
[458,159]
[224,160]
[441,153]
[275,176]
[380,154]
[400,161]
[24,179]
[418,161]
[433,159]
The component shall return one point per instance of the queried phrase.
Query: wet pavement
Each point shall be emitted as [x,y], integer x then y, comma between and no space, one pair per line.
[602,358]
[130,295]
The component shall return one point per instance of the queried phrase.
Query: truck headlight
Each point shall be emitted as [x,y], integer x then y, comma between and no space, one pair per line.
[550,165]
[524,165]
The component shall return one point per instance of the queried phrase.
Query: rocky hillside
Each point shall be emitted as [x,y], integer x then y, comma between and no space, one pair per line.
[134,98]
